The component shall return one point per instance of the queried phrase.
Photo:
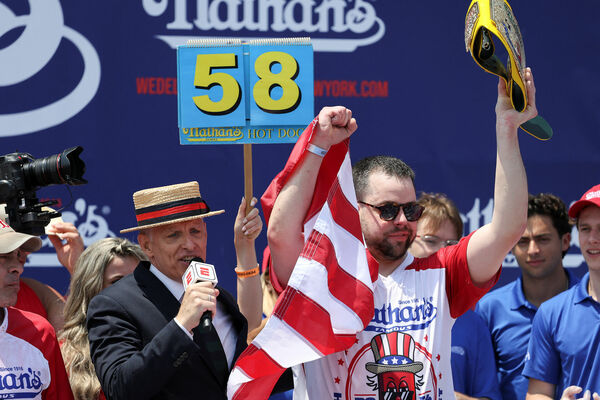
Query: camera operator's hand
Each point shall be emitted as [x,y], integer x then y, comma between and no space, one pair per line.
[67,242]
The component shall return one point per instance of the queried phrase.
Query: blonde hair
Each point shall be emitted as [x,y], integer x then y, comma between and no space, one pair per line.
[87,281]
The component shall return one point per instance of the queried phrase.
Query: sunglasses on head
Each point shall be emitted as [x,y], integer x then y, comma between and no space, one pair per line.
[389,211]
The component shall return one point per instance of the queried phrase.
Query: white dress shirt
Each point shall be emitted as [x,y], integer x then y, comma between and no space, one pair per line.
[221,321]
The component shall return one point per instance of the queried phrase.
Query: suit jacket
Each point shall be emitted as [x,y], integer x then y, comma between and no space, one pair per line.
[138,350]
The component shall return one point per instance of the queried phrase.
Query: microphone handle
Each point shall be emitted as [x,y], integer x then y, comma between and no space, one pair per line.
[206,321]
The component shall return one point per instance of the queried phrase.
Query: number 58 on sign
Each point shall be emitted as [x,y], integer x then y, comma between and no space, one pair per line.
[233,92]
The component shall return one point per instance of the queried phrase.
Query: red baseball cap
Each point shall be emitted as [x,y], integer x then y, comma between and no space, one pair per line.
[589,198]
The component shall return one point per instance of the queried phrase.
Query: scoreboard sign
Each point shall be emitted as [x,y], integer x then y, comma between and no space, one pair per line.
[233,92]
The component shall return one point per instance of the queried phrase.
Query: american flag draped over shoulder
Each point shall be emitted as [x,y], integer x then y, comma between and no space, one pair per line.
[329,297]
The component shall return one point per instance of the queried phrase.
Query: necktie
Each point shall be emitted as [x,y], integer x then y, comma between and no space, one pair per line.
[209,340]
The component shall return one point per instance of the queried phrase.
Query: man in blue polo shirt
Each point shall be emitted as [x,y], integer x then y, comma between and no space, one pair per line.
[509,311]
[564,349]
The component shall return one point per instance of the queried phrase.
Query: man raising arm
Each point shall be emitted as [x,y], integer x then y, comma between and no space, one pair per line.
[493,241]
[335,124]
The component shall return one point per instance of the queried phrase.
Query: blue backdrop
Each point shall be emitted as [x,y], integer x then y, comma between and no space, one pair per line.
[103,75]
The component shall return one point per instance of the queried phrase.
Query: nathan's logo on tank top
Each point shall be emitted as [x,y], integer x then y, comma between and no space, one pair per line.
[19,383]
[407,315]
[333,25]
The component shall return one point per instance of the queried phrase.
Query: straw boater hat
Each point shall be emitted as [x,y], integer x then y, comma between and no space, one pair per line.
[168,205]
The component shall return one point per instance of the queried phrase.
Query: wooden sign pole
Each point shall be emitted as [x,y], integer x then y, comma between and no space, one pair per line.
[248,175]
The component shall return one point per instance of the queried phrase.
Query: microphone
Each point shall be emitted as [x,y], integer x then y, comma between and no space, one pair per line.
[199,271]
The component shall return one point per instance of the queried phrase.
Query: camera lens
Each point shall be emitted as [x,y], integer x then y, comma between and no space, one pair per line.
[63,168]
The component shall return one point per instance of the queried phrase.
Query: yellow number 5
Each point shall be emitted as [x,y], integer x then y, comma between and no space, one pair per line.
[284,79]
[204,78]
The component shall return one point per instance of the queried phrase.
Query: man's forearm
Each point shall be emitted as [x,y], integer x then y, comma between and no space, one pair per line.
[286,223]
[510,192]
[333,125]
[491,243]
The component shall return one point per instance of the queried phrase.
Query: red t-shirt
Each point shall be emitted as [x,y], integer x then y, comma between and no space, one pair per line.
[27,300]
[30,355]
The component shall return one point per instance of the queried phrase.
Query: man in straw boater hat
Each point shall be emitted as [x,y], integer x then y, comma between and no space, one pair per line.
[145,342]
[564,349]
[33,367]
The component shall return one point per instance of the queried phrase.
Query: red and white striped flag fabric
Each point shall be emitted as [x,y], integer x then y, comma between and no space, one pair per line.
[329,297]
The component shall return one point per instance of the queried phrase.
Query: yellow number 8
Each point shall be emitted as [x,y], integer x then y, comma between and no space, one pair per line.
[291,96]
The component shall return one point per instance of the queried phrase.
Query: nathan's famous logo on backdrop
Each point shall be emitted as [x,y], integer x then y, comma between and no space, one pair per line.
[91,222]
[478,216]
[333,25]
[36,46]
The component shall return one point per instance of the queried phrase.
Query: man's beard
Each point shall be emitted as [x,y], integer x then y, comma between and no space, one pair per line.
[390,250]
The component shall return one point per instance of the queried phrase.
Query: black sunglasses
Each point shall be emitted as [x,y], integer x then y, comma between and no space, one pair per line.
[389,211]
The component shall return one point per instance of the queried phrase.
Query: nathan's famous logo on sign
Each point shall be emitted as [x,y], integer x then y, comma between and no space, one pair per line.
[408,315]
[234,134]
[27,56]
[324,21]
